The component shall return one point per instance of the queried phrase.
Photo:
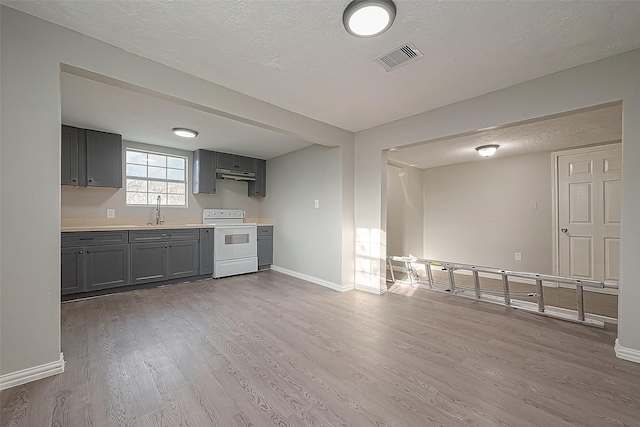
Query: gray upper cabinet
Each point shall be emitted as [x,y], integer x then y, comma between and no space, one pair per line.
[90,158]
[205,164]
[258,188]
[104,159]
[204,172]
[69,156]
[235,163]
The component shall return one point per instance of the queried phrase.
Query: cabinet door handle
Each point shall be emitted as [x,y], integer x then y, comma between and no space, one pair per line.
[74,180]
[88,252]
[86,238]
[90,180]
[80,252]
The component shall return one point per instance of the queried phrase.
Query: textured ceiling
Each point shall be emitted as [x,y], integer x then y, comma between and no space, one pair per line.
[295,54]
[147,119]
[574,130]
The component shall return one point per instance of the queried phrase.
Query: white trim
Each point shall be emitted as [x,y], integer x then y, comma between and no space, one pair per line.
[312,279]
[24,376]
[555,156]
[371,290]
[630,354]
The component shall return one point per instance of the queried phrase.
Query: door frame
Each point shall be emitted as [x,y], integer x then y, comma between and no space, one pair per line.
[555,194]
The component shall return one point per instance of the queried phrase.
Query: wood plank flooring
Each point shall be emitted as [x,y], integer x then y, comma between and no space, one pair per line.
[267,349]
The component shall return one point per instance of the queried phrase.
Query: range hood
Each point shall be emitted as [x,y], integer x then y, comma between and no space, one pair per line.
[235,175]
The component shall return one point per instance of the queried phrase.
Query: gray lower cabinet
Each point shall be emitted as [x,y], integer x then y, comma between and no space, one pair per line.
[206,251]
[96,260]
[183,259]
[158,261]
[72,270]
[106,267]
[149,262]
[265,246]
[89,268]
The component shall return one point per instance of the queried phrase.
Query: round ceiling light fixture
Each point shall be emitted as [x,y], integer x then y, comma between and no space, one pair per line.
[368,18]
[185,133]
[487,150]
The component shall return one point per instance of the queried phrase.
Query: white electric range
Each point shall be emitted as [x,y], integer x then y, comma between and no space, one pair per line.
[235,242]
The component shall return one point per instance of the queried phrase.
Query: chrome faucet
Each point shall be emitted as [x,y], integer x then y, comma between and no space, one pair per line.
[158,218]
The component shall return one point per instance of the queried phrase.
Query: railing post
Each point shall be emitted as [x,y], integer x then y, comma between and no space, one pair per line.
[505,285]
[452,280]
[540,296]
[427,266]
[476,283]
[407,267]
[393,277]
[580,297]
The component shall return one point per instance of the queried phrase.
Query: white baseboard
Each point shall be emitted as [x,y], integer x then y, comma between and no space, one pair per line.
[312,279]
[630,354]
[24,376]
[371,289]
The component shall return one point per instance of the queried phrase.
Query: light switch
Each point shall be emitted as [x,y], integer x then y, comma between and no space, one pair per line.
[316,204]
[111,213]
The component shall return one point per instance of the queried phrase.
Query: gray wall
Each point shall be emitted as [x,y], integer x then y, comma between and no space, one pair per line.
[479,212]
[79,202]
[609,80]
[304,237]
[404,211]
[32,53]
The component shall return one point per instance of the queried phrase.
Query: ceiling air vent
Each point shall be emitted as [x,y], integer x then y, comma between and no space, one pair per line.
[399,56]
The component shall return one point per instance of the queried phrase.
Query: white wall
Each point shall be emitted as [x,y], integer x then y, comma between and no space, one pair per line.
[479,212]
[404,211]
[612,79]
[32,53]
[82,202]
[304,237]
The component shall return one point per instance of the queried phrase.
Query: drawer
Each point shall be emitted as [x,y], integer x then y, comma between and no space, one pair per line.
[265,230]
[163,235]
[86,238]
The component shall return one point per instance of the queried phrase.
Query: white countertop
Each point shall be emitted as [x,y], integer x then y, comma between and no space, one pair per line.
[127,227]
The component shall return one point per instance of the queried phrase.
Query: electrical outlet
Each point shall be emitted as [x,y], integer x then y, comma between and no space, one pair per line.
[518,256]
[316,204]
[111,213]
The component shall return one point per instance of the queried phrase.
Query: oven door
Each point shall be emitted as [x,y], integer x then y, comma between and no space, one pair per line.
[235,241]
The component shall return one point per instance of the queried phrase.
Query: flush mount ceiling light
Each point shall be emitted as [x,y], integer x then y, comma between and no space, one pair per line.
[185,133]
[487,150]
[368,18]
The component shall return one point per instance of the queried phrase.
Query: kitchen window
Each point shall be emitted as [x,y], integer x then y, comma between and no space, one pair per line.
[149,175]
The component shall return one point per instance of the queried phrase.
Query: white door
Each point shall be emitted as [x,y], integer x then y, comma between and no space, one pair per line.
[589,200]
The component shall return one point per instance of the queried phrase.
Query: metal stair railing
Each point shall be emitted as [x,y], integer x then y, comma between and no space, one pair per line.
[506,293]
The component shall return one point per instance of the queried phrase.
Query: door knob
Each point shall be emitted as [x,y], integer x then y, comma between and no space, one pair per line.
[564,230]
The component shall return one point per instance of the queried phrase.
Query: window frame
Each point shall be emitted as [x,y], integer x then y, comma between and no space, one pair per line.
[148,179]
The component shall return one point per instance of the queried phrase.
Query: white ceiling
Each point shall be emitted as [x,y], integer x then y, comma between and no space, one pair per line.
[148,119]
[295,53]
[574,130]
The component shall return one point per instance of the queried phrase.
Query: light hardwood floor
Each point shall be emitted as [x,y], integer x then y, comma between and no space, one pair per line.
[267,349]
